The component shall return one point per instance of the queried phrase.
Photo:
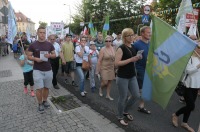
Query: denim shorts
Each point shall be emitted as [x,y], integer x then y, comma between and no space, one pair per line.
[42,79]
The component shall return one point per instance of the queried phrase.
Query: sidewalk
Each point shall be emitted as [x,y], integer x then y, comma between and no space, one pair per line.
[18,112]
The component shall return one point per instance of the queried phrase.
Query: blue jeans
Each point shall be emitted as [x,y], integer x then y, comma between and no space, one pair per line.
[124,85]
[81,76]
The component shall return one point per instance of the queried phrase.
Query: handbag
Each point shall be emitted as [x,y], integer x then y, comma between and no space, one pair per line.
[180,89]
[85,65]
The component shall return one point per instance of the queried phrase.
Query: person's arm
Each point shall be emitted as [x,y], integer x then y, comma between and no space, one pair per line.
[52,55]
[118,57]
[98,67]
[32,58]
[62,57]
[80,52]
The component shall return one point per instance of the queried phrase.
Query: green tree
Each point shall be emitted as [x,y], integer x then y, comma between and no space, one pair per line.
[43,24]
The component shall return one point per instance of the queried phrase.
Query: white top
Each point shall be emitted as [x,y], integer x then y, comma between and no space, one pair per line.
[94,56]
[193,78]
[57,48]
[117,43]
[85,55]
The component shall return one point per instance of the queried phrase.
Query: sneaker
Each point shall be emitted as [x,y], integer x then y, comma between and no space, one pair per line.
[41,108]
[25,90]
[66,81]
[100,92]
[175,120]
[32,93]
[187,127]
[56,87]
[74,84]
[82,94]
[85,92]
[46,104]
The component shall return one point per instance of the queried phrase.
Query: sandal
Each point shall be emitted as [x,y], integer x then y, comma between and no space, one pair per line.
[143,110]
[128,116]
[123,122]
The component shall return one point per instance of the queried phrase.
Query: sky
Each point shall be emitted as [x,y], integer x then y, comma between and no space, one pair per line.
[46,10]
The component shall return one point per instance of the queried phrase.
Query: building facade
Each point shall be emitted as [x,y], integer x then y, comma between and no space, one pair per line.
[24,23]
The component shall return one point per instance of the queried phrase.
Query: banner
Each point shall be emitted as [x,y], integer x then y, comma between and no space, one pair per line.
[165,62]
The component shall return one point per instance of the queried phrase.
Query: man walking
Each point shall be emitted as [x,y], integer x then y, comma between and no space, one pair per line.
[40,52]
[68,52]
[55,61]
[142,44]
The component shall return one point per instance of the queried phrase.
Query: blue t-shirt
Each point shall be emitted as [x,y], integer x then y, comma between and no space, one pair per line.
[14,47]
[26,67]
[140,45]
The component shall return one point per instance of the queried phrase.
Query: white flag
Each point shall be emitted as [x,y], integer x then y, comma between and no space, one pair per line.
[192,30]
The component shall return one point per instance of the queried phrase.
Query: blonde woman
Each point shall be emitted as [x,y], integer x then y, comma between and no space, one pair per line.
[105,67]
[126,75]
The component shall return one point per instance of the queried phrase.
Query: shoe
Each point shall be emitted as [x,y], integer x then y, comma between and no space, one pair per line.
[82,94]
[108,97]
[182,100]
[25,90]
[187,127]
[74,84]
[123,122]
[46,104]
[93,89]
[66,81]
[56,87]
[32,93]
[41,108]
[175,120]
[100,92]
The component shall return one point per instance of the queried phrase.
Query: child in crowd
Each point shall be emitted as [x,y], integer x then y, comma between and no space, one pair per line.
[27,67]
[93,59]
[14,48]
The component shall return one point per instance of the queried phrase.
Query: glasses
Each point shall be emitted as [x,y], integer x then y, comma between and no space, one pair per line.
[131,35]
[108,41]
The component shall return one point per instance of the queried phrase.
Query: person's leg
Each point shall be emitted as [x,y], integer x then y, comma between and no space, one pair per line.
[39,95]
[53,65]
[108,90]
[92,77]
[26,79]
[134,91]
[31,82]
[122,85]
[80,73]
[103,85]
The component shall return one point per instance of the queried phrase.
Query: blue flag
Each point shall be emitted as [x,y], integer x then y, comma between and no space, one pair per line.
[12,26]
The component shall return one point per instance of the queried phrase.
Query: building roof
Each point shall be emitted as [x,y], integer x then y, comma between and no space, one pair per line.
[20,17]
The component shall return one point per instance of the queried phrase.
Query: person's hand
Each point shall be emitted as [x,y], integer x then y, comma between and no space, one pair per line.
[63,62]
[47,55]
[135,58]
[38,60]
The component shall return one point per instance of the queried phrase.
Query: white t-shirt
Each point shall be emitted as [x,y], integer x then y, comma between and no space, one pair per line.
[85,55]
[57,49]
[117,43]
[94,56]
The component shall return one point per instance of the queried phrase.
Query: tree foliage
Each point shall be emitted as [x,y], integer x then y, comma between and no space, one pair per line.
[42,24]
[97,10]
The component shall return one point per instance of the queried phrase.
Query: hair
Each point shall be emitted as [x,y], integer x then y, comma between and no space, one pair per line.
[142,29]
[125,32]
[26,47]
[40,27]
[119,33]
[108,37]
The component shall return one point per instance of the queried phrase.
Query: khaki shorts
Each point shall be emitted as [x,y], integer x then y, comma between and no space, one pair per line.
[42,79]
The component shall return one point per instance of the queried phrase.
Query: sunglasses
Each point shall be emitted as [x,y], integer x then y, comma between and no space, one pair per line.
[108,41]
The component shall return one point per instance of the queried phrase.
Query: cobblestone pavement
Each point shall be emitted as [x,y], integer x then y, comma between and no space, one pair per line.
[18,111]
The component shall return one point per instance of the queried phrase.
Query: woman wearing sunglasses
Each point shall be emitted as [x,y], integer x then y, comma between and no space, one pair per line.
[105,67]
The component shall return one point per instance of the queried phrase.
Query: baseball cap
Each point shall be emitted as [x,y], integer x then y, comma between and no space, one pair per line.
[92,42]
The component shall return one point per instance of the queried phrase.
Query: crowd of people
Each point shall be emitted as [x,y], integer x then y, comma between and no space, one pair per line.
[122,58]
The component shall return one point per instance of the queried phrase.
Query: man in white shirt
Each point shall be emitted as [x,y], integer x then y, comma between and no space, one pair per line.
[55,62]
[118,41]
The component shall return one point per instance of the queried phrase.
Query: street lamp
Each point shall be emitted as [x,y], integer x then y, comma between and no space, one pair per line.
[69,13]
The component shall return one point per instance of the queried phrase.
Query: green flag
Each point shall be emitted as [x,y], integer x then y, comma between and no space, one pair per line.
[106,27]
[168,56]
